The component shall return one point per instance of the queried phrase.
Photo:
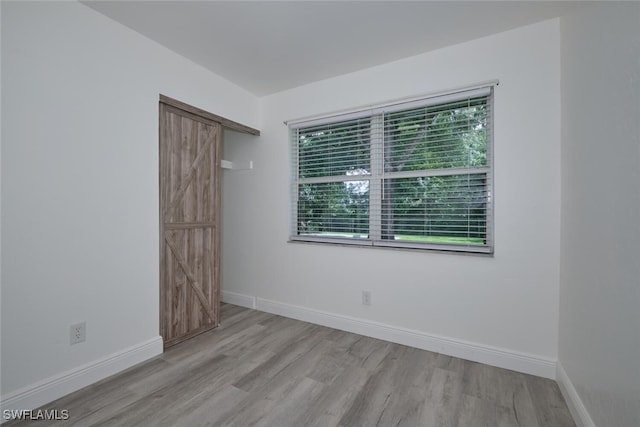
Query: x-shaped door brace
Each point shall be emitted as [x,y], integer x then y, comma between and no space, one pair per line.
[190,276]
[177,198]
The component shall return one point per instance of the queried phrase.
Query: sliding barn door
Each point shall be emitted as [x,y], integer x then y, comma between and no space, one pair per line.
[189,224]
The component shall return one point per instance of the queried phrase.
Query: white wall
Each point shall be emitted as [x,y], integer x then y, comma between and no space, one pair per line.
[509,301]
[80,183]
[599,347]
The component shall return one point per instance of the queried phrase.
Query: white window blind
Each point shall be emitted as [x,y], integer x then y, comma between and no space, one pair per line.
[416,174]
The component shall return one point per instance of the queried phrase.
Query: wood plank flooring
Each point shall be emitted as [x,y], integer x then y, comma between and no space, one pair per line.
[258,369]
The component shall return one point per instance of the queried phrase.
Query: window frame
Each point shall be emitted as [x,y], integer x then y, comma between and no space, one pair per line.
[377,174]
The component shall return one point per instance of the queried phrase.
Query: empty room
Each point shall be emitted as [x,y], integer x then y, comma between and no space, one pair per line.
[320,213]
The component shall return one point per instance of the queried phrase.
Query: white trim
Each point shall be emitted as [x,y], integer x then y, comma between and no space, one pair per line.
[365,110]
[239,299]
[576,407]
[503,358]
[50,389]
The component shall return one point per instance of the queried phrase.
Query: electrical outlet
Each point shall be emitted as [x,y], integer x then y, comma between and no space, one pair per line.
[366,297]
[78,333]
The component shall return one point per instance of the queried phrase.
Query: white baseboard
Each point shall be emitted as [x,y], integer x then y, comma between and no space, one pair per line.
[576,407]
[239,299]
[516,361]
[50,389]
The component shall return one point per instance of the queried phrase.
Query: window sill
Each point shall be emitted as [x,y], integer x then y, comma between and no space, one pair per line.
[368,245]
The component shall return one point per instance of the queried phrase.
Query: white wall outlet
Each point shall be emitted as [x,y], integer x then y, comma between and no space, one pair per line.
[366,297]
[78,333]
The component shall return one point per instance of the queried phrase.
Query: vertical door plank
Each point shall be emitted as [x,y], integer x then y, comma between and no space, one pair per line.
[197,318]
[176,163]
[207,271]
[216,206]
[199,184]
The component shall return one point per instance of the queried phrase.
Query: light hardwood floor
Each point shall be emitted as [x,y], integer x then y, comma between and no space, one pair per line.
[266,370]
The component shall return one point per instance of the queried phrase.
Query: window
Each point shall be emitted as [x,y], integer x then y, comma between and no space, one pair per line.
[415,174]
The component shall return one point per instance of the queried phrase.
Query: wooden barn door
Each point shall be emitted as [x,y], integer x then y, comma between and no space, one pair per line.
[189,224]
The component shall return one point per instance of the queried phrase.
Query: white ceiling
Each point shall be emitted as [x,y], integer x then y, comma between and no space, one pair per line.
[270,46]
